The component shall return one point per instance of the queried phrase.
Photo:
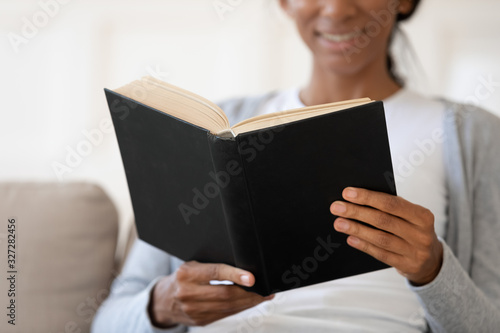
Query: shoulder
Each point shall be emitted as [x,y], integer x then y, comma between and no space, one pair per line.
[473,138]
[413,111]
[415,100]
[472,123]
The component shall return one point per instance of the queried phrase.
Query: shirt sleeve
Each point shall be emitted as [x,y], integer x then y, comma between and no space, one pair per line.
[453,303]
[126,308]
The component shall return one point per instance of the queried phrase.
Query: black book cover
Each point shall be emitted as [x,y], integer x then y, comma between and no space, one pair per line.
[259,201]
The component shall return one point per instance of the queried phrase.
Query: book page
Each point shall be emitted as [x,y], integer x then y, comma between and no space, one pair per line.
[176,102]
[284,117]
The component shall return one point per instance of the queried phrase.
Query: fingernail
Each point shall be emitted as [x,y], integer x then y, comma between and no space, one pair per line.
[339,207]
[341,225]
[350,193]
[245,280]
[353,240]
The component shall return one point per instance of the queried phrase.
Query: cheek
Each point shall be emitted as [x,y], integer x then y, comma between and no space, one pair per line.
[380,14]
[302,10]
[304,13]
[301,4]
[381,17]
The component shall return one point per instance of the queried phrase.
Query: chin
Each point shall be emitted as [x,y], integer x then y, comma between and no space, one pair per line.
[342,65]
[346,61]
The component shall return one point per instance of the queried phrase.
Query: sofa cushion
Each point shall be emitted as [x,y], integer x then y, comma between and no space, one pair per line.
[65,240]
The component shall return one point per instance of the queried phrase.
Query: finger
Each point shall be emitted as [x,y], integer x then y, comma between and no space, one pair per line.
[387,203]
[379,238]
[374,217]
[211,293]
[228,301]
[390,258]
[203,273]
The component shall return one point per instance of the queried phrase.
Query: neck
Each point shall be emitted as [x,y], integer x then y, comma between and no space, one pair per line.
[328,86]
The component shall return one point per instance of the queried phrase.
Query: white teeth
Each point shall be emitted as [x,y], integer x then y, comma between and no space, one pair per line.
[341,38]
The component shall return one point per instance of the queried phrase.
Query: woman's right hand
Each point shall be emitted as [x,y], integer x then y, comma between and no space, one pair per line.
[187,297]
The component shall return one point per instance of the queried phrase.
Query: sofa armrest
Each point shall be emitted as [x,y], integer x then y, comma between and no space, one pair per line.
[65,240]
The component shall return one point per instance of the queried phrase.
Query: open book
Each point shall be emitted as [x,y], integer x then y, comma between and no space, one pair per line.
[201,112]
[255,195]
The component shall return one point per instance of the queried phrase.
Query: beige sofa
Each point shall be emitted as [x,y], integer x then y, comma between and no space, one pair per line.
[65,238]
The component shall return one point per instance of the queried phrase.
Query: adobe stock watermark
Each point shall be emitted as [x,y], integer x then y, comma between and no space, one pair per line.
[256,317]
[427,146]
[94,137]
[223,7]
[31,26]
[484,90]
[202,198]
[158,73]
[298,273]
[417,318]
[372,29]
[88,308]
[75,155]
[122,107]
[222,178]
[486,87]
[417,157]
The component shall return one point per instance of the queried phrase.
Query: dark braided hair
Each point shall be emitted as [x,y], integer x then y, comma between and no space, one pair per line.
[390,62]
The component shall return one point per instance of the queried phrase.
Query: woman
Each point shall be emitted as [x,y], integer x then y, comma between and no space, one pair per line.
[441,239]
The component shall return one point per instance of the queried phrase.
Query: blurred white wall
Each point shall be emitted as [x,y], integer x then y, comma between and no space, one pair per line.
[51,84]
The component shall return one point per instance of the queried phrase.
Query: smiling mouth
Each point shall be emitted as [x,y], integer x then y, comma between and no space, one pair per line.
[338,38]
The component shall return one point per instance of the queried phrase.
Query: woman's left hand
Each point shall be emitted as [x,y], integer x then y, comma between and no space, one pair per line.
[406,239]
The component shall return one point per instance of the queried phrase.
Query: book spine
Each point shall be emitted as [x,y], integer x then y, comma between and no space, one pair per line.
[229,174]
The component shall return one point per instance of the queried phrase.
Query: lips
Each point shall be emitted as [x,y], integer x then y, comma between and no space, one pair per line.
[338,38]
[340,42]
